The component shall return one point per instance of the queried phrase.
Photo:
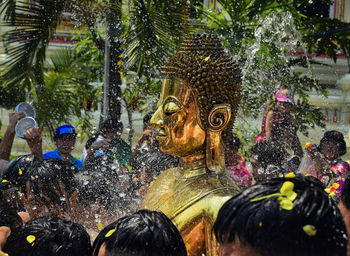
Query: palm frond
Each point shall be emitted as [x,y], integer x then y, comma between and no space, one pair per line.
[155,30]
[30,32]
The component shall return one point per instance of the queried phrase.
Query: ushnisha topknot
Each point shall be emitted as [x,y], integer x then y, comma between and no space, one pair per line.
[212,75]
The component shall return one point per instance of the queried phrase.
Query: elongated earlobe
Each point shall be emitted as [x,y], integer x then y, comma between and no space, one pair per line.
[218,119]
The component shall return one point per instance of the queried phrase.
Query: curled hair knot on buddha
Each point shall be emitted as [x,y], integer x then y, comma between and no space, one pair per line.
[210,73]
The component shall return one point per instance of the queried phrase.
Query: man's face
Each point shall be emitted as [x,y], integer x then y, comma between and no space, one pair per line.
[177,125]
[237,248]
[65,143]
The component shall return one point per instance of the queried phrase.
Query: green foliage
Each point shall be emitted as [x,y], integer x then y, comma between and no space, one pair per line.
[259,34]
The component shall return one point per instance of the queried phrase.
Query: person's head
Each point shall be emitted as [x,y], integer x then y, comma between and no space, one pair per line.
[282,217]
[146,119]
[49,236]
[232,143]
[144,233]
[284,100]
[200,94]
[65,137]
[112,128]
[264,157]
[50,187]
[332,145]
[16,172]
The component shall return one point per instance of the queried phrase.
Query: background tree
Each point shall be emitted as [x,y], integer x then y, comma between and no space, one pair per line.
[32,26]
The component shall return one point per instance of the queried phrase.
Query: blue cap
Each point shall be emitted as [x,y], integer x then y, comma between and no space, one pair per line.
[65,129]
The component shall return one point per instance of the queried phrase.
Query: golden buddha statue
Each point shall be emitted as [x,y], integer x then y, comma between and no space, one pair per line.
[196,110]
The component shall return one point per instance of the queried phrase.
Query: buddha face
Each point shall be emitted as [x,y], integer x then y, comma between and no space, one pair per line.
[176,120]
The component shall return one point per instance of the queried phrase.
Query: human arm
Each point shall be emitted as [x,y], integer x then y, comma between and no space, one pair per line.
[7,141]
[34,141]
[268,125]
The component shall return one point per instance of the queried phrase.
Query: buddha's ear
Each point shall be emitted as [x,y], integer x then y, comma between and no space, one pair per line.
[218,119]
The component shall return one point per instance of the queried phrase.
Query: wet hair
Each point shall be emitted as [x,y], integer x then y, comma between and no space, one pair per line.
[345,193]
[337,138]
[146,119]
[313,227]
[144,233]
[8,216]
[268,153]
[49,236]
[233,141]
[17,170]
[45,177]
[111,125]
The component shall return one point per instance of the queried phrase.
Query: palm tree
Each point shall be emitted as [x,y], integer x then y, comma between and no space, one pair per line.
[150,31]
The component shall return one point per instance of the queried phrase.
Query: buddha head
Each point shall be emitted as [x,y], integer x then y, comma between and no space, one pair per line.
[199,98]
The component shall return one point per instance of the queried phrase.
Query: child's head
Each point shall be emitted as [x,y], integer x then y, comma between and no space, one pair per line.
[144,233]
[332,145]
[49,236]
[282,217]
[50,187]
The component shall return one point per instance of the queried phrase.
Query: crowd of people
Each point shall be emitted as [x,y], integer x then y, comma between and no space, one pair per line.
[55,204]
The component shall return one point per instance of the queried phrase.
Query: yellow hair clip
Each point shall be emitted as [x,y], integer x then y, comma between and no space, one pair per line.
[20,172]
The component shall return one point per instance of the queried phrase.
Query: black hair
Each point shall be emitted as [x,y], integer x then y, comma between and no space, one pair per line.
[111,125]
[233,141]
[44,180]
[17,170]
[144,233]
[312,227]
[337,138]
[268,153]
[56,137]
[49,236]
[8,216]
[345,193]
[146,119]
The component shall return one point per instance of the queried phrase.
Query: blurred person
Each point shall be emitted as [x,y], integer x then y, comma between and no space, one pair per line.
[344,206]
[282,217]
[100,201]
[235,164]
[326,163]
[65,138]
[7,141]
[147,160]
[279,114]
[50,189]
[110,129]
[267,159]
[49,236]
[144,233]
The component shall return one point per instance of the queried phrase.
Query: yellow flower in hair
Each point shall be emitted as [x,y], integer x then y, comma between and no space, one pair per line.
[99,226]
[31,239]
[289,175]
[310,230]
[332,189]
[287,195]
[20,172]
[111,232]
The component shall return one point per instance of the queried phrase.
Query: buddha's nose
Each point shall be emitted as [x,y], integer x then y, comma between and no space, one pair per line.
[157,118]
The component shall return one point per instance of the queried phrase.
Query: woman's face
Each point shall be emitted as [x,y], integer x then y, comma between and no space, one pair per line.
[284,107]
[330,150]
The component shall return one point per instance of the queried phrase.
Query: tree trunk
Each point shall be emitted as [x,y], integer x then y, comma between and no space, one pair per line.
[129,110]
[112,85]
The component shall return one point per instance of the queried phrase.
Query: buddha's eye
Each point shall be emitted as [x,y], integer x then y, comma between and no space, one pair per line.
[171,108]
